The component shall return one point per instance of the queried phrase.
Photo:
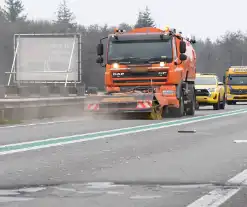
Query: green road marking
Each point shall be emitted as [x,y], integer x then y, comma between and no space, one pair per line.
[26,146]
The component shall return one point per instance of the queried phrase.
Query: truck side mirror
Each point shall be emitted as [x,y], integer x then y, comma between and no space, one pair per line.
[182,47]
[100,60]
[100,49]
[224,79]
[183,57]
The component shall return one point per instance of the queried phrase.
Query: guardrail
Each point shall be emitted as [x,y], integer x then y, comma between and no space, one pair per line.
[41,90]
[18,109]
[35,101]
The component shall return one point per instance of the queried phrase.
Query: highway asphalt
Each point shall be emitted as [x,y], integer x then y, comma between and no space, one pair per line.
[105,162]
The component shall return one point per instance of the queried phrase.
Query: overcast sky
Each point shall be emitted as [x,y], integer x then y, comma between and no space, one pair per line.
[209,18]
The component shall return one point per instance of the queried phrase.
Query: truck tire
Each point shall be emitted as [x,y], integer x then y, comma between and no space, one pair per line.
[217,105]
[223,103]
[179,112]
[231,102]
[197,106]
[192,105]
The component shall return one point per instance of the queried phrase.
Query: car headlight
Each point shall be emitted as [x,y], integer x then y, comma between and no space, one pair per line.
[212,90]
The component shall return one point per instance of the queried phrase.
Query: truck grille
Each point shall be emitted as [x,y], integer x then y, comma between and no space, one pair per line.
[139,81]
[240,98]
[142,77]
[149,74]
[202,92]
[238,91]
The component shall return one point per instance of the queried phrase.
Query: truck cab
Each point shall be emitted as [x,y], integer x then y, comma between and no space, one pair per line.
[235,80]
[151,60]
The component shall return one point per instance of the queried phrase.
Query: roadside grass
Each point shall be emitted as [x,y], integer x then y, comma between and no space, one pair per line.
[9,122]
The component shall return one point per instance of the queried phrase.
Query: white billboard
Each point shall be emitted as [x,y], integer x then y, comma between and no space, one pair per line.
[48,57]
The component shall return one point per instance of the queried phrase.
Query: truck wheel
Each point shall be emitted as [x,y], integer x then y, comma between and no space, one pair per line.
[217,105]
[179,112]
[165,112]
[231,102]
[197,106]
[223,104]
[192,105]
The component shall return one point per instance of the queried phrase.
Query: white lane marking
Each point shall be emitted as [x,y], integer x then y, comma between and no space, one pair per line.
[95,133]
[42,123]
[214,198]
[31,190]
[14,199]
[240,178]
[220,195]
[77,191]
[189,120]
[8,193]
[101,185]
[145,197]
[42,146]
[240,141]
[67,121]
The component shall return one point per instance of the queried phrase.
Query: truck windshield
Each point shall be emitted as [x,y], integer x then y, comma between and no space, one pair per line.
[140,50]
[237,80]
[205,81]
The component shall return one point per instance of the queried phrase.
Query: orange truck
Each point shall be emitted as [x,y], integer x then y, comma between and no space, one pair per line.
[147,70]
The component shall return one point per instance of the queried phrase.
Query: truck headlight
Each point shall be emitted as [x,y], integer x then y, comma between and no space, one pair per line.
[162,64]
[115,66]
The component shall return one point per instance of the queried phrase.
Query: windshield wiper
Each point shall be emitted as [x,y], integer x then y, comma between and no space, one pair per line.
[125,59]
[158,59]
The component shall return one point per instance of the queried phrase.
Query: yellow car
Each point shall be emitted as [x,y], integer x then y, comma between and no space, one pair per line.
[210,91]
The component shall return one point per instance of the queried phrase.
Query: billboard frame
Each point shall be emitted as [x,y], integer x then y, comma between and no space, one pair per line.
[13,71]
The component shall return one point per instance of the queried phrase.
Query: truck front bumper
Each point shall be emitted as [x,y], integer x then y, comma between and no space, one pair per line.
[239,98]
